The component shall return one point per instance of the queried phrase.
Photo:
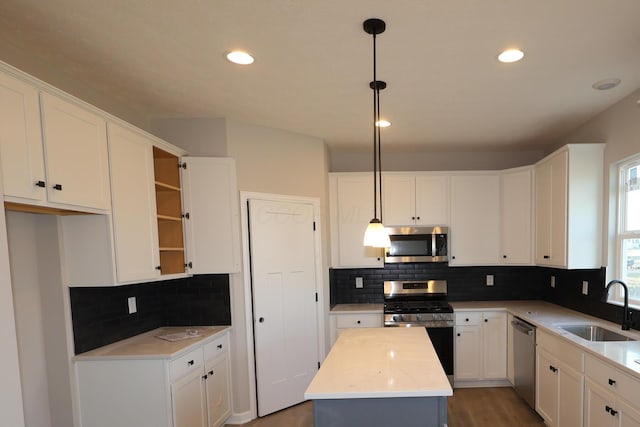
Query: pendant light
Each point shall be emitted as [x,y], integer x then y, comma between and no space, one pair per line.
[376,235]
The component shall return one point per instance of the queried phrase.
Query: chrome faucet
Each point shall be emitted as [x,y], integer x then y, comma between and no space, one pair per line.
[626,316]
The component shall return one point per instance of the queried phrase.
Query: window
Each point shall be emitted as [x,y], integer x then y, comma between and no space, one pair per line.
[628,236]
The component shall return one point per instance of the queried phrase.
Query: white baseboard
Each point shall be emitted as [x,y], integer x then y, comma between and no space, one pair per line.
[241,418]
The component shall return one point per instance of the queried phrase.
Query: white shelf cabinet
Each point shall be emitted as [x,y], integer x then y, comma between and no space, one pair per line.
[351,205]
[475,219]
[191,390]
[516,193]
[54,152]
[135,230]
[210,198]
[480,348]
[568,207]
[21,149]
[559,381]
[341,322]
[415,199]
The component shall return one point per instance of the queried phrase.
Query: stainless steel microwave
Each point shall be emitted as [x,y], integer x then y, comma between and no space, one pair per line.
[417,244]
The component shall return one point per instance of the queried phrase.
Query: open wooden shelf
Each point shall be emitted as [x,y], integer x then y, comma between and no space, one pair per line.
[169,211]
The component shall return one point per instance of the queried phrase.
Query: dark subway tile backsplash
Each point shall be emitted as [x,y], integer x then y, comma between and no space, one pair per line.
[464,283]
[100,314]
[469,284]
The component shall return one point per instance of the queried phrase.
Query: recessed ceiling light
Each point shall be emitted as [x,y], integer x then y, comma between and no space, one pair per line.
[240,57]
[511,55]
[383,123]
[606,84]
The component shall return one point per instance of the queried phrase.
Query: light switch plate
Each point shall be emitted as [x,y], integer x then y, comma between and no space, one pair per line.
[133,308]
[359,283]
[585,288]
[489,279]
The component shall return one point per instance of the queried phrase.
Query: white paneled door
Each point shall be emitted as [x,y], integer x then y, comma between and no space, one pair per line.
[283,260]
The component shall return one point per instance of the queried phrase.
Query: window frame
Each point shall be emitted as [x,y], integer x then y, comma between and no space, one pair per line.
[616,295]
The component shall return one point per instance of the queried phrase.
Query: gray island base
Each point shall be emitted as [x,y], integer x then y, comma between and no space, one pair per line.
[380,377]
[397,411]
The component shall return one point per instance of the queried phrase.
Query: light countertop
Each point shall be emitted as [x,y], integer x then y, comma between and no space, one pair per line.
[356,308]
[149,346]
[380,362]
[548,317]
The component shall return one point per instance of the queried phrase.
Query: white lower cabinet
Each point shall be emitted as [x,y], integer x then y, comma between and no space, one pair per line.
[340,322]
[480,347]
[611,396]
[192,390]
[559,381]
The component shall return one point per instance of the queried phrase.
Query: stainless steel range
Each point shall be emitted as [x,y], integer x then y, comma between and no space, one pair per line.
[423,303]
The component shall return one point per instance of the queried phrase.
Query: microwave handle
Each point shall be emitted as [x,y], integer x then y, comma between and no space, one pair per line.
[433,244]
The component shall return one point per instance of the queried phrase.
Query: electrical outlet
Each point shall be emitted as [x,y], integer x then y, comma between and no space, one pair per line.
[553,281]
[585,288]
[489,279]
[359,283]
[131,301]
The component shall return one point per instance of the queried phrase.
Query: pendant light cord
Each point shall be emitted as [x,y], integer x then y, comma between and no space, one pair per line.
[375,119]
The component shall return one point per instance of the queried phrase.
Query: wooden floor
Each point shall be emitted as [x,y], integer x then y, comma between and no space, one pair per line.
[469,407]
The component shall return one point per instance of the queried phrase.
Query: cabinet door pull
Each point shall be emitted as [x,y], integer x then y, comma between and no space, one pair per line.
[58,187]
[220,346]
[458,333]
[504,256]
[418,218]
[358,322]
[611,382]
[190,362]
[211,372]
[261,320]
[546,257]
[204,377]
[40,184]
[486,320]
[186,215]
[466,320]
[158,268]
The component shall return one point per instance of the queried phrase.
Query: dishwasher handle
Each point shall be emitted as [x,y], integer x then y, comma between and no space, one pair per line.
[525,328]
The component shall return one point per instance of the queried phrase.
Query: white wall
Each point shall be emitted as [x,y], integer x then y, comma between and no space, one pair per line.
[198,136]
[40,319]
[619,128]
[360,160]
[10,386]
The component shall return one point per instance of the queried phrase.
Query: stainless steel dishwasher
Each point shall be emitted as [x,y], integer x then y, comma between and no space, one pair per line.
[524,355]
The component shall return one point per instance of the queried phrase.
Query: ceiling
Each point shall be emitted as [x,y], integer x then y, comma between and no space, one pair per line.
[165,58]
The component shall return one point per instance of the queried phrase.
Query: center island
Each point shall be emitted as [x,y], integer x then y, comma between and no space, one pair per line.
[380,377]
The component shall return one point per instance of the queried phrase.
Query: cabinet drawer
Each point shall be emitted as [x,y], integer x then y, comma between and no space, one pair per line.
[186,364]
[216,347]
[359,321]
[612,379]
[562,351]
[468,318]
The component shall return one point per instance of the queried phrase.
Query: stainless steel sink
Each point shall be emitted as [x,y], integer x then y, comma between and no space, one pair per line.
[595,333]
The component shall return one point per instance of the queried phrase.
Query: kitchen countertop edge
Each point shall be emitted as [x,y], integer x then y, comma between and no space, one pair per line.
[148,346]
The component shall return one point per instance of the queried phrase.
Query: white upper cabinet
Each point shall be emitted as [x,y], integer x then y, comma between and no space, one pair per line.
[415,199]
[351,199]
[21,140]
[135,229]
[516,188]
[210,198]
[475,219]
[75,142]
[568,207]
[54,153]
